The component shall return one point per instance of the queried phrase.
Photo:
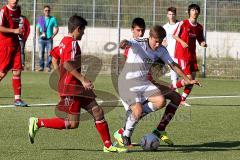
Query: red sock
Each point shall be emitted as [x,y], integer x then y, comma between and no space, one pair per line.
[16,84]
[55,123]
[186,92]
[103,130]
[120,131]
[167,116]
[179,84]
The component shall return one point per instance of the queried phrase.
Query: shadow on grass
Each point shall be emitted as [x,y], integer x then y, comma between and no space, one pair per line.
[211,146]
[72,149]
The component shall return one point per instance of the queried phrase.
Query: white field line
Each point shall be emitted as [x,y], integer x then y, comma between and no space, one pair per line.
[100,101]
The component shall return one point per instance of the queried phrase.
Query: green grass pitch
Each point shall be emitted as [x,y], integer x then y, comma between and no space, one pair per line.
[208,130]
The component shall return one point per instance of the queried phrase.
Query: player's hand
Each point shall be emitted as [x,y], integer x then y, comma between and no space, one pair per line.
[123,44]
[203,44]
[164,43]
[87,84]
[196,82]
[18,31]
[184,44]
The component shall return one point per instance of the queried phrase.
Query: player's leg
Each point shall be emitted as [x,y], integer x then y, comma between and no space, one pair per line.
[169,113]
[130,123]
[42,47]
[67,112]
[49,47]
[133,115]
[91,106]
[135,112]
[187,90]
[17,86]
[174,79]
[5,59]
[16,66]
[188,68]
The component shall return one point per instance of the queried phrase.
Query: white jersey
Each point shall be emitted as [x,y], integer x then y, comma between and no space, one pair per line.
[133,83]
[170,29]
[141,57]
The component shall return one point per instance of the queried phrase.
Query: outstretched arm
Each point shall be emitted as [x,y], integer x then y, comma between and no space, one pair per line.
[179,71]
[9,30]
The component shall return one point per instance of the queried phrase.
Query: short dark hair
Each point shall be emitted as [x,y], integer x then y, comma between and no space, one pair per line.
[138,22]
[172,9]
[193,6]
[47,6]
[76,21]
[157,31]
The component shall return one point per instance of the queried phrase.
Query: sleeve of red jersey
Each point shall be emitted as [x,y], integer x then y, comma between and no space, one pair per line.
[26,26]
[1,17]
[70,55]
[200,35]
[126,52]
[55,52]
[178,30]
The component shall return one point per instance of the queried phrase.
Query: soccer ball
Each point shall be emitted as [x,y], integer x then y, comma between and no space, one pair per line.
[150,142]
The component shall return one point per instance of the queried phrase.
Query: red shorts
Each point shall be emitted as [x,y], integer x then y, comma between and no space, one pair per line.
[188,66]
[10,58]
[73,104]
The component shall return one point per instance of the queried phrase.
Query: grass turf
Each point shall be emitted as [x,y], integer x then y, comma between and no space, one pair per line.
[209,129]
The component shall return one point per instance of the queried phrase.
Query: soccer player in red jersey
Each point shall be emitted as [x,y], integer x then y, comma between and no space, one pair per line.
[75,90]
[10,56]
[186,34]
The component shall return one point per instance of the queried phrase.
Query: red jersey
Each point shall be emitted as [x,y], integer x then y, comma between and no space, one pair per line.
[55,53]
[189,33]
[126,52]
[25,26]
[9,18]
[70,52]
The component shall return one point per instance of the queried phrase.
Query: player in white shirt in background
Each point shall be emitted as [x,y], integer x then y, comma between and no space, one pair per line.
[169,42]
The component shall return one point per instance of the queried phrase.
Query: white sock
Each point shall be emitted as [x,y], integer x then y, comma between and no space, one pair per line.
[131,121]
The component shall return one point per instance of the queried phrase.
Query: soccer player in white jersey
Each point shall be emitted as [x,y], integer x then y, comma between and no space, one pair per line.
[138,30]
[135,88]
[169,42]
[138,27]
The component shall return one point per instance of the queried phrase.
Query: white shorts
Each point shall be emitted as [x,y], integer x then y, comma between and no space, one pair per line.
[137,92]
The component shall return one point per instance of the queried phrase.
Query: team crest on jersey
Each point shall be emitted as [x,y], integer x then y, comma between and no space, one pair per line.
[192,35]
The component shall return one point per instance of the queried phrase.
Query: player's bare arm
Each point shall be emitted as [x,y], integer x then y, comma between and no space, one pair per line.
[179,71]
[55,63]
[69,66]
[184,44]
[9,30]
[55,32]
[124,43]
[164,43]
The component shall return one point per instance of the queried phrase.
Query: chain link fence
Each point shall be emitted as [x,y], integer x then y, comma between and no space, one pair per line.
[101,36]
